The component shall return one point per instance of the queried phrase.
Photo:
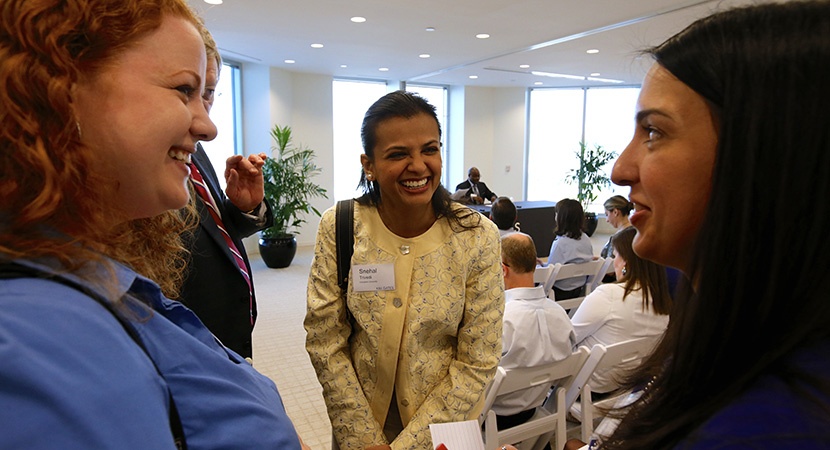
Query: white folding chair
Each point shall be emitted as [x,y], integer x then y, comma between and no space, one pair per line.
[607,267]
[603,357]
[544,421]
[542,274]
[590,270]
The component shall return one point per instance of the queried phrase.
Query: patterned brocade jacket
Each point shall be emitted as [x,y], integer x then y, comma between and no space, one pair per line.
[434,340]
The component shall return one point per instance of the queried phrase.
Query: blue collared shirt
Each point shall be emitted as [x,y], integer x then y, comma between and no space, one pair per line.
[72,378]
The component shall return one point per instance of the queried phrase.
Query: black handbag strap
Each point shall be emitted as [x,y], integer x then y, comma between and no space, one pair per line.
[9,270]
[344,239]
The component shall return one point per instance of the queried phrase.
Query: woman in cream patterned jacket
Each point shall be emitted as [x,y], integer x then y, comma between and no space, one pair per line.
[418,335]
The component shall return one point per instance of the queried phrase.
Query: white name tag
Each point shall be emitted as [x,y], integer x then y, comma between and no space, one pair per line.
[373,277]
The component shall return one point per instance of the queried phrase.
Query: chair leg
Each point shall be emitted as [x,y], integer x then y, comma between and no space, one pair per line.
[561,432]
[587,414]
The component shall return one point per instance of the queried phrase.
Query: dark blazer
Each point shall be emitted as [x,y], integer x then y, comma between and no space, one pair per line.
[482,189]
[214,288]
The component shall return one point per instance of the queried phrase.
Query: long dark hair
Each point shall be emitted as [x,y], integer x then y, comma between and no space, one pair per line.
[763,70]
[642,274]
[569,218]
[406,104]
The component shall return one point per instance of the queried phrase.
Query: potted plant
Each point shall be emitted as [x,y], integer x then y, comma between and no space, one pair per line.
[590,179]
[288,189]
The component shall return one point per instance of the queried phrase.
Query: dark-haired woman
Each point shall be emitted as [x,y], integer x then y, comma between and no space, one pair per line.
[636,306]
[735,110]
[421,347]
[570,245]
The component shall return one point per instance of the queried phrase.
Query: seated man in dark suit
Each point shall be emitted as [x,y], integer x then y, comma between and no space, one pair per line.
[477,191]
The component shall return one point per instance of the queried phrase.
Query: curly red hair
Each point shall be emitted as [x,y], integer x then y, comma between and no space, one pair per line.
[53,204]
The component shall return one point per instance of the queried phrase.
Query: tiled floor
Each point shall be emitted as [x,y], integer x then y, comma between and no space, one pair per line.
[279,343]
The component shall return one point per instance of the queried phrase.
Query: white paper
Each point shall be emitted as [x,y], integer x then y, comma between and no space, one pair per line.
[459,194]
[457,435]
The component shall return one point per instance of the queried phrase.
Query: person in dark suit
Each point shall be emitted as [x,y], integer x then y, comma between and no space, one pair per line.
[218,285]
[478,191]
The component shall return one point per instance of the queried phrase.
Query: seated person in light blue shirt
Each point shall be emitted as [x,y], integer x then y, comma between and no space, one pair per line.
[571,245]
[537,331]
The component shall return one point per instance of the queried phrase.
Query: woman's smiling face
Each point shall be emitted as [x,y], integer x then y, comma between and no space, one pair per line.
[406,162]
[143,114]
[668,165]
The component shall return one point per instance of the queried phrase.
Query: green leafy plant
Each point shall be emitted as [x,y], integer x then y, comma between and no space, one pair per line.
[589,177]
[288,186]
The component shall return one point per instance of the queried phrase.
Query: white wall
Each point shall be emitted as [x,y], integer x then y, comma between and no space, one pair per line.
[509,142]
[479,129]
[312,125]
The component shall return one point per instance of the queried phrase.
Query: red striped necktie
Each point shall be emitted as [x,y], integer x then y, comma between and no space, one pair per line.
[204,194]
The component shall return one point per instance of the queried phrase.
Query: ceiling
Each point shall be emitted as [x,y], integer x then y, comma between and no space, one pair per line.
[548,35]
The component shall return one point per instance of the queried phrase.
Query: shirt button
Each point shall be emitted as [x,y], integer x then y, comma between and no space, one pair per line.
[405,402]
[397,302]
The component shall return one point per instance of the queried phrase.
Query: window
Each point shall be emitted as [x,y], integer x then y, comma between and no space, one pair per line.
[559,119]
[609,122]
[350,99]
[555,129]
[224,114]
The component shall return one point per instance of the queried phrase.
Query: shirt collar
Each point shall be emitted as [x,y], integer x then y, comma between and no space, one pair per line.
[534,293]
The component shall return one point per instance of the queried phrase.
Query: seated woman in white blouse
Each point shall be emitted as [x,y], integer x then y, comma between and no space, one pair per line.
[636,306]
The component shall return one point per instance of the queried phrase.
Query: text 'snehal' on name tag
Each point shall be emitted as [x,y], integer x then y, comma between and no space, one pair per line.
[373,277]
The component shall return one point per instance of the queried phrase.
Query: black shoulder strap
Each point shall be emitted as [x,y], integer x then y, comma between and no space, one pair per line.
[10,270]
[344,239]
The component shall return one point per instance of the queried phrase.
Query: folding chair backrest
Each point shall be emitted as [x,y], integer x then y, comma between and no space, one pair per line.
[591,270]
[603,357]
[607,267]
[561,374]
[542,274]
[588,269]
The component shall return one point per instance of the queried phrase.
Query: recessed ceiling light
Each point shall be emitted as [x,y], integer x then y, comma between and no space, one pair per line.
[524,66]
[592,51]
[316,45]
[538,83]
[595,74]
[343,66]
[482,35]
[424,55]
[358,19]
[213,2]
[290,61]
[384,69]
[473,77]
[429,29]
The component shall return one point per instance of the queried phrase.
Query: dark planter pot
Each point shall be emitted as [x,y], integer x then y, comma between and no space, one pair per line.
[278,252]
[591,223]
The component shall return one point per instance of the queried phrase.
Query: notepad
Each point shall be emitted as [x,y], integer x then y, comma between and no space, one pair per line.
[457,435]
